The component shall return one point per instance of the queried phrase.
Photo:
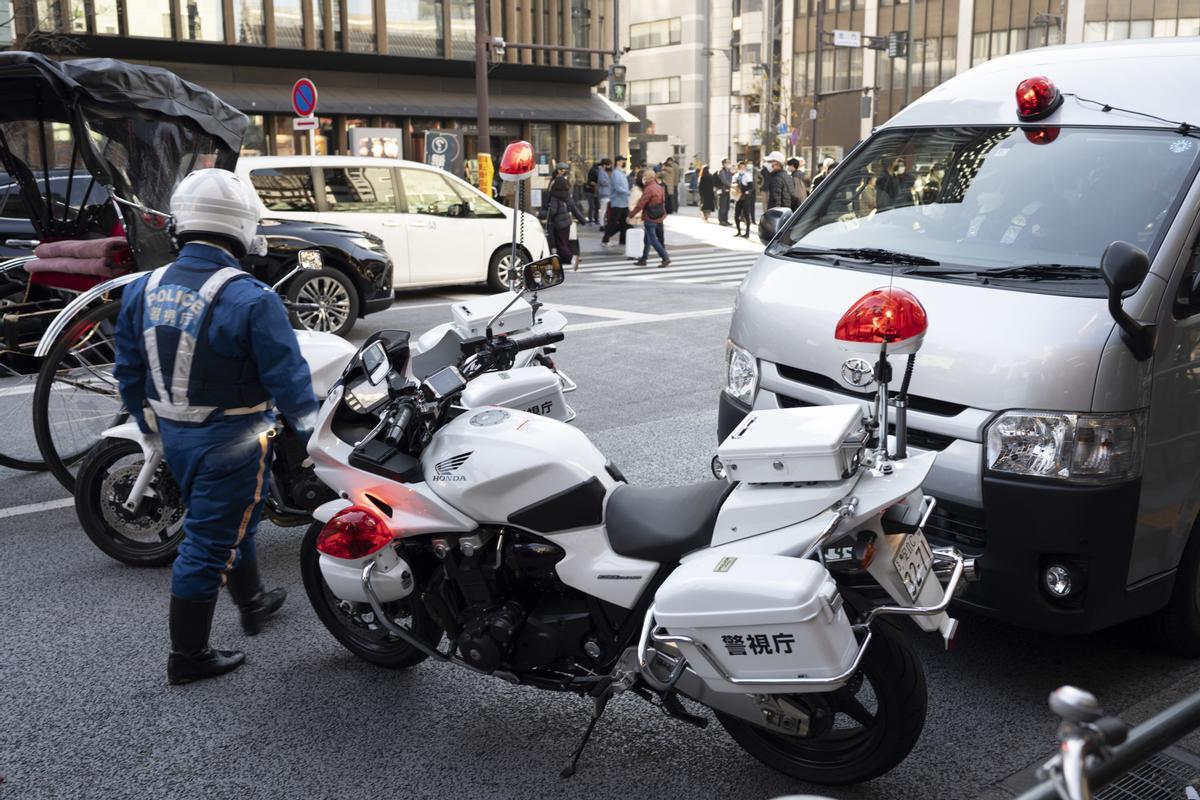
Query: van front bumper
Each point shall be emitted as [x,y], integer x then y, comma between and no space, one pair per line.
[1024,528]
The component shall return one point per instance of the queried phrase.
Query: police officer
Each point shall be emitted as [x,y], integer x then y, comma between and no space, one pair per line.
[204,352]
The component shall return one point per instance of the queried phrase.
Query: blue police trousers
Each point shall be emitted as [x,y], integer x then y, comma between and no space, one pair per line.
[223,469]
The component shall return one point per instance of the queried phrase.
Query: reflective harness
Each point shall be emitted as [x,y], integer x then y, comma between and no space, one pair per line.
[174,401]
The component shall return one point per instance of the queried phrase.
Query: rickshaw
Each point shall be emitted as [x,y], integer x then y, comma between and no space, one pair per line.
[68,128]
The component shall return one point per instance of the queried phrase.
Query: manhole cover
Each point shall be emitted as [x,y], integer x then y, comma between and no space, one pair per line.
[1166,776]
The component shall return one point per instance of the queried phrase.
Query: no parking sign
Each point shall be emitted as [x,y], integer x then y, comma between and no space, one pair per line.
[304,98]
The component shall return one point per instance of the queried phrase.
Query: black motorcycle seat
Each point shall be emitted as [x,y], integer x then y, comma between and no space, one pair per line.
[662,524]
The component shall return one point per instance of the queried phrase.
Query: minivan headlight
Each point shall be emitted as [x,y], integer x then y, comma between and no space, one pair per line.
[741,373]
[1082,448]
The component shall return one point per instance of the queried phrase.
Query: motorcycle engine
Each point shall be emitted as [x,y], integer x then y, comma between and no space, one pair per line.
[499,599]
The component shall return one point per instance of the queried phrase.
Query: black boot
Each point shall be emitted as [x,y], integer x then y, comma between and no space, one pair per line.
[191,658]
[255,603]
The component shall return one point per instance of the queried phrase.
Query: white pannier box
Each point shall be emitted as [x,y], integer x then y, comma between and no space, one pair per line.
[793,445]
[471,316]
[759,617]
[537,390]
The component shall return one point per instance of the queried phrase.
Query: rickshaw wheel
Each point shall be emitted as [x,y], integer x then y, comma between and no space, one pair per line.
[76,397]
[15,390]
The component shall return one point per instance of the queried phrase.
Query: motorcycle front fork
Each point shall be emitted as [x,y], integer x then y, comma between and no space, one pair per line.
[142,485]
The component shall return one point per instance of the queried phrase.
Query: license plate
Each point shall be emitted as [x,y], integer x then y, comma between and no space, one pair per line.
[913,562]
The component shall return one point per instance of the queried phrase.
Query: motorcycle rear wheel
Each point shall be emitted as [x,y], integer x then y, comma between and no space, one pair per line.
[149,537]
[354,624]
[863,743]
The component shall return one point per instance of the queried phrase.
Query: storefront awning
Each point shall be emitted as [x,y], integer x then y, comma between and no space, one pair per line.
[253,98]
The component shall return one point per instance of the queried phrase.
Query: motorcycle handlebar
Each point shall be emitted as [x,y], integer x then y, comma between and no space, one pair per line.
[396,430]
[538,340]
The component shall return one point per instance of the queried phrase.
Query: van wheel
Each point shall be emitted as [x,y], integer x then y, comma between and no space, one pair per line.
[1177,627]
[323,300]
[501,265]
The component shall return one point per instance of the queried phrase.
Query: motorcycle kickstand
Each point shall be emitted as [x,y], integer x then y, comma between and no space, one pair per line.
[601,703]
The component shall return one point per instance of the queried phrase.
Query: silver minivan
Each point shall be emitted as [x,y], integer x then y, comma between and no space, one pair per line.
[1044,209]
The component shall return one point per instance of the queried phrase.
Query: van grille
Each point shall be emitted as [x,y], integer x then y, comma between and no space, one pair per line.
[959,524]
[927,405]
[922,439]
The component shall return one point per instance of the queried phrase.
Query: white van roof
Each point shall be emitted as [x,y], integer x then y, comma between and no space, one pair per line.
[1152,76]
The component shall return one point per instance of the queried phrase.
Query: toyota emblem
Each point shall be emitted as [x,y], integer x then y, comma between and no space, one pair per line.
[858,372]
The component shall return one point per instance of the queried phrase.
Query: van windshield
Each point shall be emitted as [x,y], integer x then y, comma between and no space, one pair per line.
[984,199]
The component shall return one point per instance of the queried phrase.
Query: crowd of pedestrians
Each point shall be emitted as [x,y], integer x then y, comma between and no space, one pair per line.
[615,199]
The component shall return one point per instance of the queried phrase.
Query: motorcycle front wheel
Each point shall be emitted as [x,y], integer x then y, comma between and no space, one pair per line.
[871,724]
[146,537]
[354,624]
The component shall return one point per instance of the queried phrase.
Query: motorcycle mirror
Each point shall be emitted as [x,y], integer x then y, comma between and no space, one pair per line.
[770,223]
[543,274]
[375,363]
[310,259]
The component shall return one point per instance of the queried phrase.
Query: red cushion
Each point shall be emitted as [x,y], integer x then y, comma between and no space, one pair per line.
[65,280]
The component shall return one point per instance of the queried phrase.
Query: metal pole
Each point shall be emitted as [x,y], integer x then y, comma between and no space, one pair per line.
[817,79]
[908,57]
[483,140]
[1152,736]
[768,125]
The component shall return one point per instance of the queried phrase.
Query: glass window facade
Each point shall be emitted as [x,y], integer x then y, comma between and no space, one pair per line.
[249,23]
[462,28]
[149,18]
[203,20]
[360,19]
[289,24]
[656,91]
[414,28]
[655,34]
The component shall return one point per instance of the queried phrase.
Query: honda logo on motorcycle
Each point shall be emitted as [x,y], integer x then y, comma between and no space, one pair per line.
[858,372]
[447,469]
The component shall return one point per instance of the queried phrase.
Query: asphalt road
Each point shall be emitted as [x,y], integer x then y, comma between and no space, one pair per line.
[85,710]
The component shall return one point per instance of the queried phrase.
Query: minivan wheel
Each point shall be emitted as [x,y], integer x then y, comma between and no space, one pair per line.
[501,266]
[1177,627]
[330,298]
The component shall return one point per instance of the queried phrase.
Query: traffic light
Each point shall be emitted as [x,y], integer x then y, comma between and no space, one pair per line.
[616,83]
[897,44]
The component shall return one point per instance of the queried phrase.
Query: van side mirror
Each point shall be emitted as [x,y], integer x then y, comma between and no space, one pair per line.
[1124,267]
[770,223]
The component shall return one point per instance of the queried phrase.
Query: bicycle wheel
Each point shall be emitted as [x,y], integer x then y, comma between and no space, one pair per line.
[19,449]
[76,396]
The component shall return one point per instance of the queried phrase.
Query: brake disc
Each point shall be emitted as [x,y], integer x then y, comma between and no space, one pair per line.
[161,507]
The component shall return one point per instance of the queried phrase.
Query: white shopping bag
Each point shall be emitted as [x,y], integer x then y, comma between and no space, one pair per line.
[634,239]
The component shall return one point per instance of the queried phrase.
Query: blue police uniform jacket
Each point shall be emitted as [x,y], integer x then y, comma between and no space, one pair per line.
[200,340]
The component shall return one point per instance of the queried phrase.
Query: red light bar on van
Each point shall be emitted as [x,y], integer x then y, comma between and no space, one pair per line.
[886,315]
[1037,98]
[517,162]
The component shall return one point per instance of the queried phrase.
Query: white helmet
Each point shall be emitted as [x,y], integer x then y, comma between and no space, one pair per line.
[216,201]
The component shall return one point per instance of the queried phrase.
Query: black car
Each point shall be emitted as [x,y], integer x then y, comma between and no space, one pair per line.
[356,278]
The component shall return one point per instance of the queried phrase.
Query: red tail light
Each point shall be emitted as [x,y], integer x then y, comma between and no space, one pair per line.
[1037,98]
[517,163]
[883,315]
[353,532]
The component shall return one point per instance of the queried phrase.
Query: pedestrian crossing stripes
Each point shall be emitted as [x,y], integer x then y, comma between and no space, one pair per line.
[709,267]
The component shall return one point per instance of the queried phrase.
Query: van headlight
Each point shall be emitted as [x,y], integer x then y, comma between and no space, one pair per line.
[741,373]
[1082,448]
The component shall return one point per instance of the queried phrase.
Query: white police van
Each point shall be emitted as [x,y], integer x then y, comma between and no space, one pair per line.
[1048,219]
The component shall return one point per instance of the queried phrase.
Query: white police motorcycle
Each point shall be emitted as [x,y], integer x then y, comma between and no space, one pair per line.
[131,508]
[510,537]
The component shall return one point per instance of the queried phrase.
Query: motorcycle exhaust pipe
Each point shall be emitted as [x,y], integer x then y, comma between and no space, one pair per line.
[945,568]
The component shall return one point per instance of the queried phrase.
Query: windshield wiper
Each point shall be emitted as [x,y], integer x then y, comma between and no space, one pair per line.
[877,255]
[872,255]
[1037,272]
